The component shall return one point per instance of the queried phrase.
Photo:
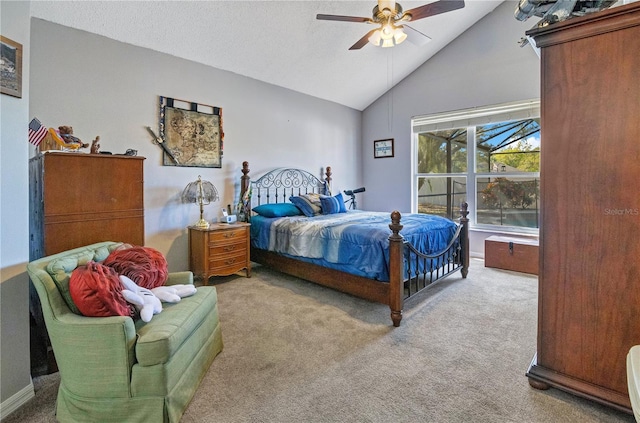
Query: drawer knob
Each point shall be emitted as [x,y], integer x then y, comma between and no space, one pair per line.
[229,234]
[231,261]
[229,248]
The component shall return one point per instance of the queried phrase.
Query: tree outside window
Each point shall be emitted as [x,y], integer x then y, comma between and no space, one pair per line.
[505,172]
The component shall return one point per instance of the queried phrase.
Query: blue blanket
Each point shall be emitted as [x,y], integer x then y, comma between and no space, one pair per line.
[356,242]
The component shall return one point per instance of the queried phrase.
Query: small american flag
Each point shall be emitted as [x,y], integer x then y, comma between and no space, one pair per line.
[36,132]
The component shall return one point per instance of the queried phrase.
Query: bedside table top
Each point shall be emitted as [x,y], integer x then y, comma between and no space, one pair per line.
[221,226]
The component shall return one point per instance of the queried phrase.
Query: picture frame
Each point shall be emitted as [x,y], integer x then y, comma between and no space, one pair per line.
[11,62]
[383,148]
[191,133]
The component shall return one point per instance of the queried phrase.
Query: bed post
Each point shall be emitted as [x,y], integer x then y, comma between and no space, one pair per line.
[396,282]
[327,181]
[464,238]
[245,180]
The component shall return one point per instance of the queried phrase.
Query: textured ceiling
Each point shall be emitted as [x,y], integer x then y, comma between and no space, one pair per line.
[279,42]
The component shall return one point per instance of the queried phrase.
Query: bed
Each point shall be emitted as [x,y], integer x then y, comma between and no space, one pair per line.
[381,257]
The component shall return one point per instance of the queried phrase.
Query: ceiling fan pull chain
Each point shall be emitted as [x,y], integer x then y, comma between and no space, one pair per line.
[390,90]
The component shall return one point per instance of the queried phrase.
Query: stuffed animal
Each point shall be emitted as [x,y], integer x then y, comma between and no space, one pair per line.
[66,133]
[149,301]
[95,146]
[142,299]
[173,293]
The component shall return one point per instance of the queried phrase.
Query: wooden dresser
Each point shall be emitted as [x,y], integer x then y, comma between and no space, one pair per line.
[589,282]
[79,199]
[220,250]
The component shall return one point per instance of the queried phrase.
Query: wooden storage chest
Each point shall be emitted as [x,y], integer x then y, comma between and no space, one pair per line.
[511,253]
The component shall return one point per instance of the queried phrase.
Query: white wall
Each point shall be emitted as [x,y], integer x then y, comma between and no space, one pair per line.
[15,383]
[108,88]
[484,66]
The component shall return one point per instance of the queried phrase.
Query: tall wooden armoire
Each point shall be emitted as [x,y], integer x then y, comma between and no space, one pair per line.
[78,199]
[589,281]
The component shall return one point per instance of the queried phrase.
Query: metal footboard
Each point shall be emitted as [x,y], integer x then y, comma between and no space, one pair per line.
[422,270]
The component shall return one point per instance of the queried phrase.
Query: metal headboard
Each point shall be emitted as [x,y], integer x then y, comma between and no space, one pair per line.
[278,185]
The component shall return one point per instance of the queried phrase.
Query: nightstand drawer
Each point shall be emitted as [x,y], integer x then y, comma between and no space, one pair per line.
[229,263]
[237,247]
[227,236]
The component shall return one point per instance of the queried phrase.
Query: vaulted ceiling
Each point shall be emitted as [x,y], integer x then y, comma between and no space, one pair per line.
[278,42]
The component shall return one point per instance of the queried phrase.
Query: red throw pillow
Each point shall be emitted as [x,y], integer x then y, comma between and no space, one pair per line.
[146,266]
[97,291]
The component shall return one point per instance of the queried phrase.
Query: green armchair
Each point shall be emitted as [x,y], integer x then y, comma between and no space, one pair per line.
[115,369]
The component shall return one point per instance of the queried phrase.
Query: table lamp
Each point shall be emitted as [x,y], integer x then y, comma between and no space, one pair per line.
[200,192]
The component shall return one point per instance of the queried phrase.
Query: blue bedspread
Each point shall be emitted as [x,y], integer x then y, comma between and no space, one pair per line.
[355,242]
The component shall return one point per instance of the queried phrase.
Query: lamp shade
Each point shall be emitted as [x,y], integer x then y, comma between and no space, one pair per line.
[200,192]
[399,35]
[375,38]
[388,35]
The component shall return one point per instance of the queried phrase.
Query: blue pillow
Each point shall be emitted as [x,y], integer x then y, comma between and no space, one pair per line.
[277,210]
[332,205]
[308,203]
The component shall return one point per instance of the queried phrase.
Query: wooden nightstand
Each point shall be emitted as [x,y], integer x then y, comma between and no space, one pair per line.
[220,250]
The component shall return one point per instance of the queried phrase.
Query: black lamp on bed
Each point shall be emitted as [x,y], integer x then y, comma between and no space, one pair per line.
[200,192]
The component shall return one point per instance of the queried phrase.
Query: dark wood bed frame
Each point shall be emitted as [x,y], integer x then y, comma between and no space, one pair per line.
[279,184]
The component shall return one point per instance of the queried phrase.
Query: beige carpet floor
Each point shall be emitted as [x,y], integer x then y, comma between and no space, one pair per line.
[298,352]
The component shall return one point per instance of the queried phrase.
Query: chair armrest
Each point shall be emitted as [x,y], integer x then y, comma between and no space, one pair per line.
[180,278]
[94,354]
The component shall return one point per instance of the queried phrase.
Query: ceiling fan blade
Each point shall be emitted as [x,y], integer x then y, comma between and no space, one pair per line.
[342,18]
[415,37]
[432,9]
[362,41]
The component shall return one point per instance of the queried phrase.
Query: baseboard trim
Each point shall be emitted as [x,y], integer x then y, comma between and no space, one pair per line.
[17,400]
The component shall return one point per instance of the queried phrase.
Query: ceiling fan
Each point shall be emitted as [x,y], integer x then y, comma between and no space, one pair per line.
[387,14]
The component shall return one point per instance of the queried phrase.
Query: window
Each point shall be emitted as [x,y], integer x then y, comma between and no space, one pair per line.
[488,157]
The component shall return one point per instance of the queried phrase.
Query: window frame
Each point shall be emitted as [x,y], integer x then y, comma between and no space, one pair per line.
[471,118]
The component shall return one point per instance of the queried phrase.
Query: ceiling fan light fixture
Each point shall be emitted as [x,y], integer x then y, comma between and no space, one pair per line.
[385,38]
[375,38]
[388,13]
[399,35]
[387,43]
[387,31]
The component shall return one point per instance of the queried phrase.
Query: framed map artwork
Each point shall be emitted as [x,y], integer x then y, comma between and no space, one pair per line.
[191,132]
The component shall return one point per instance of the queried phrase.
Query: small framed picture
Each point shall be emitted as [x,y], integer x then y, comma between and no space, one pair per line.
[383,148]
[11,59]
